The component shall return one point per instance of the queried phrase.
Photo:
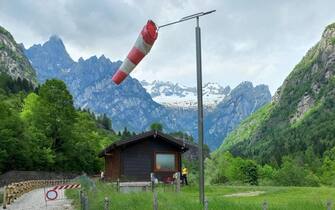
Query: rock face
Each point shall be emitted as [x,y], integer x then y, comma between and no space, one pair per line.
[130,105]
[12,59]
[303,106]
[302,113]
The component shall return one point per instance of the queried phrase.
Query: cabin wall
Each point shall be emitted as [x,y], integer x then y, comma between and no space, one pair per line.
[137,160]
[112,165]
[116,161]
[108,166]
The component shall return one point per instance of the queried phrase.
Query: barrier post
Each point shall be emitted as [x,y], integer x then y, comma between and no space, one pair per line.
[85,202]
[152,179]
[4,202]
[206,204]
[106,206]
[155,201]
[329,205]
[178,182]
[265,205]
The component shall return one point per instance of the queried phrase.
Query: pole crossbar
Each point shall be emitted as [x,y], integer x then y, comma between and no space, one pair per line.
[189,17]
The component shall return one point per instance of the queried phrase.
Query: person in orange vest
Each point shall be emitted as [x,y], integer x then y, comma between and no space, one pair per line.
[184,173]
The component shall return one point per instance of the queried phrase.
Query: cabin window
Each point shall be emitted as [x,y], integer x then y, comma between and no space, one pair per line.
[165,162]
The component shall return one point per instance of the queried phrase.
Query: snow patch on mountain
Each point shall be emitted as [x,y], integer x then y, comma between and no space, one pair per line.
[178,95]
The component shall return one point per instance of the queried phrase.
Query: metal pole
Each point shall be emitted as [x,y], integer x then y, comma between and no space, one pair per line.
[199,91]
[200,113]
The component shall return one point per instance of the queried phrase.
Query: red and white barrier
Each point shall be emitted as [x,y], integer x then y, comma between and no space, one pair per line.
[66,186]
[141,48]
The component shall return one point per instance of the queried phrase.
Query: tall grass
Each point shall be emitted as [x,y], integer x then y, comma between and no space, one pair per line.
[295,198]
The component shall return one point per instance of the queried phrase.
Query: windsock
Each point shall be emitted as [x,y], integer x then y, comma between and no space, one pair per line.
[142,47]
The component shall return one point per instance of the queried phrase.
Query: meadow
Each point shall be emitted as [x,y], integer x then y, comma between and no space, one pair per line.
[219,197]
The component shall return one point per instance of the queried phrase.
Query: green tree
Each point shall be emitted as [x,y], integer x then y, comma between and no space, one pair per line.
[80,151]
[14,152]
[125,134]
[250,171]
[55,113]
[156,127]
[105,121]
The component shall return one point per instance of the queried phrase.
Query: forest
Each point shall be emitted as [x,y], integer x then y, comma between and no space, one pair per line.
[40,129]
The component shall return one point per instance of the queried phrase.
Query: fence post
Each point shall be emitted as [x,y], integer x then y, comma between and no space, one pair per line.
[206,204]
[155,201]
[118,185]
[265,205]
[106,206]
[81,199]
[4,202]
[86,202]
[178,182]
[152,179]
[329,205]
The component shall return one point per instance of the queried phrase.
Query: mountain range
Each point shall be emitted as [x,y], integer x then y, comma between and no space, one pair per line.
[135,104]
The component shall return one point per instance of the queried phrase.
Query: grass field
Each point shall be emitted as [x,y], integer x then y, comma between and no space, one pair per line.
[295,198]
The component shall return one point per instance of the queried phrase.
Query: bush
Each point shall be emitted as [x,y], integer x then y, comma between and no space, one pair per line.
[266,175]
[292,174]
[312,180]
[250,172]
[225,168]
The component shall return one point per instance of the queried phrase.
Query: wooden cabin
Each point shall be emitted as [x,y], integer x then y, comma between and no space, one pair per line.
[133,159]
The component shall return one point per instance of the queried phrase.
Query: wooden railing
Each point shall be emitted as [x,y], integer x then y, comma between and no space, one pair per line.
[17,189]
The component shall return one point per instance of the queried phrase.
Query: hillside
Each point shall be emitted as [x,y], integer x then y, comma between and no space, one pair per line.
[13,62]
[300,121]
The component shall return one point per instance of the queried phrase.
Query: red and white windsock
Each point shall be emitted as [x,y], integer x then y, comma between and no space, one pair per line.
[142,47]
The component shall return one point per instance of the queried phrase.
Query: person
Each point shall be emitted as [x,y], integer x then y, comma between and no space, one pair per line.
[102,176]
[184,173]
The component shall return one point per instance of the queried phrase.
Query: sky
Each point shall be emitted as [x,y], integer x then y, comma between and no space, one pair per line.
[245,40]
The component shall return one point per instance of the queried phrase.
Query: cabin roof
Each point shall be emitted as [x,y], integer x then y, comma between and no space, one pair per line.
[179,143]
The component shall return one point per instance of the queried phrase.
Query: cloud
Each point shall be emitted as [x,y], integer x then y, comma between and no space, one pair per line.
[257,40]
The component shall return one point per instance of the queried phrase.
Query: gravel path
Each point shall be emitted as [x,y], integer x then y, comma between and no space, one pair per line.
[245,194]
[34,200]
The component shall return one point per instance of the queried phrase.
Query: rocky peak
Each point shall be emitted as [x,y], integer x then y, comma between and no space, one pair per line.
[243,88]
[55,47]
[102,58]
[214,88]
[51,57]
